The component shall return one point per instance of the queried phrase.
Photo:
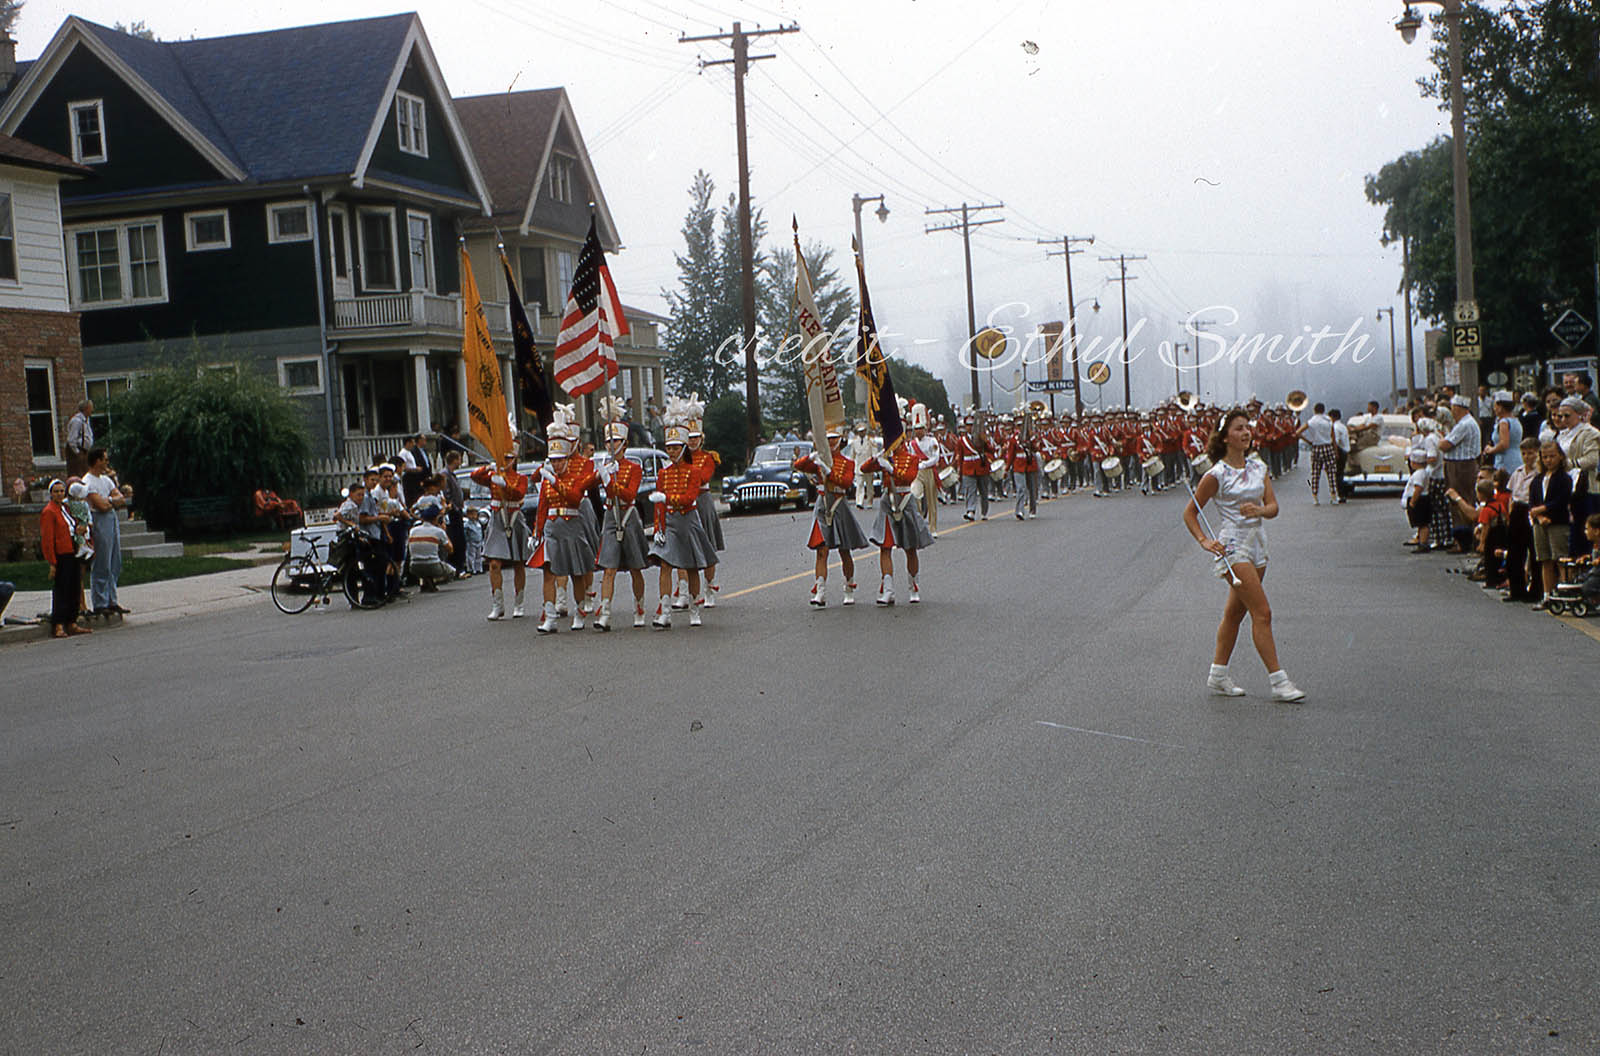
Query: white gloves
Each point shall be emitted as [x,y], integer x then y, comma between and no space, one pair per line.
[660,538]
[547,473]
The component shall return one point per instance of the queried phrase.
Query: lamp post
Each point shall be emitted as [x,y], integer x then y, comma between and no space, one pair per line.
[1394,376]
[882,213]
[1408,24]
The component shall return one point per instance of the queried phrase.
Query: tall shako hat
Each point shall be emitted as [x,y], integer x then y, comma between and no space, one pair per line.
[613,409]
[676,420]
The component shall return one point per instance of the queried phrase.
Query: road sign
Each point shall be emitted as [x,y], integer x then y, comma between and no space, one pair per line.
[1099,373]
[1452,371]
[1466,342]
[1571,328]
[1466,311]
[1051,385]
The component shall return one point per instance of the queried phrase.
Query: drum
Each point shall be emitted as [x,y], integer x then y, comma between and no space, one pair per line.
[1055,469]
[1152,466]
[997,468]
[947,476]
[1111,467]
[1201,464]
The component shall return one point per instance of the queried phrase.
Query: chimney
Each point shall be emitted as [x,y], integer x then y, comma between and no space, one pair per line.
[8,61]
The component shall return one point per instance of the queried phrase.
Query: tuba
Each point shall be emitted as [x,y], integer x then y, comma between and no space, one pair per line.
[1296,400]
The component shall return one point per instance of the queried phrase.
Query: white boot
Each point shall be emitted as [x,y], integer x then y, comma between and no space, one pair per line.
[563,600]
[548,624]
[694,610]
[638,614]
[710,594]
[849,593]
[1220,684]
[677,596]
[663,620]
[578,617]
[886,591]
[819,592]
[915,597]
[602,621]
[517,611]
[591,602]
[498,610]
[1283,690]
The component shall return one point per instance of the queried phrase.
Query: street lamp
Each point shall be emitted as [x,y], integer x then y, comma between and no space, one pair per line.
[1394,377]
[882,213]
[1466,296]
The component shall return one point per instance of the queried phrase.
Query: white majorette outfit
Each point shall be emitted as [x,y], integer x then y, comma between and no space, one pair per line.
[1245,537]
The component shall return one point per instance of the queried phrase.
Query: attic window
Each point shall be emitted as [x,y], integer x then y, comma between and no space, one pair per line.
[411,124]
[560,178]
[88,120]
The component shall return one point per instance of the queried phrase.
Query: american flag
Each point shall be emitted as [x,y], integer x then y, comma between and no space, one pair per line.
[585,358]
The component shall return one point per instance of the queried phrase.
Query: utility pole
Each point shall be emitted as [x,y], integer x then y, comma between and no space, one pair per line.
[741,65]
[1177,371]
[965,227]
[1405,282]
[1195,326]
[1127,355]
[1072,310]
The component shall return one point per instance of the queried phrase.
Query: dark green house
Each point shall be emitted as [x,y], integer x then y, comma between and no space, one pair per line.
[289,199]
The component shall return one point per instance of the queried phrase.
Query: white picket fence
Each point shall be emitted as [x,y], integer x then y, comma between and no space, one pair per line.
[328,476]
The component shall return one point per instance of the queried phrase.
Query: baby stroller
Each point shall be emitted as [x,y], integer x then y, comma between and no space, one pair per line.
[1568,596]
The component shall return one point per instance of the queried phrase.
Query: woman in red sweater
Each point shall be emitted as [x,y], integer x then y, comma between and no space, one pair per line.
[56,526]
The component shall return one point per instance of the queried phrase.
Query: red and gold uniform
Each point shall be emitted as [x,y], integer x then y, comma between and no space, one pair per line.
[565,548]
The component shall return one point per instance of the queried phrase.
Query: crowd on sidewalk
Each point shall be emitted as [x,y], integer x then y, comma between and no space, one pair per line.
[80,535]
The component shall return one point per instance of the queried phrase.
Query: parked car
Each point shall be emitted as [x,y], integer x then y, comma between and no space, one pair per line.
[478,495]
[771,479]
[652,460]
[1381,462]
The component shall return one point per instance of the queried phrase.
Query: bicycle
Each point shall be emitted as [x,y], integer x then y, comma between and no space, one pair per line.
[300,579]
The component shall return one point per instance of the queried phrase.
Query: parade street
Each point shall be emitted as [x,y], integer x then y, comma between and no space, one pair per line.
[1006,820]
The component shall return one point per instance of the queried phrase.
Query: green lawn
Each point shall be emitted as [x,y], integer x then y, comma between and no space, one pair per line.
[233,544]
[35,575]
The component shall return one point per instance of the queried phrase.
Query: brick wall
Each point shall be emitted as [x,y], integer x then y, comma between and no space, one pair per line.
[32,335]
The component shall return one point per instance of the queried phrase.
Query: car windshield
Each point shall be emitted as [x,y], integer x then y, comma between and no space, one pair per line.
[779,452]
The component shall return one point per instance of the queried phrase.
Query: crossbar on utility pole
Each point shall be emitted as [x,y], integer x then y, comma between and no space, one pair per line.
[965,227]
[1072,310]
[1127,356]
[740,39]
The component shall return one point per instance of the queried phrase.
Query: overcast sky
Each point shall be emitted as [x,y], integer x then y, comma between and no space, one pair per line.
[1227,141]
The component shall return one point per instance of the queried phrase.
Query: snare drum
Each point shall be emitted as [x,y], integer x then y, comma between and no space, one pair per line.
[1055,469]
[1201,464]
[1152,466]
[997,468]
[947,476]
[1111,467]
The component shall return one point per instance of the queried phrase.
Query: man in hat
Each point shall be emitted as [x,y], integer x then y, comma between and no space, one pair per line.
[861,451]
[927,485]
[1460,449]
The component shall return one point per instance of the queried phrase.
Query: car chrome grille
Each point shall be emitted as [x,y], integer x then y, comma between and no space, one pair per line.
[760,492]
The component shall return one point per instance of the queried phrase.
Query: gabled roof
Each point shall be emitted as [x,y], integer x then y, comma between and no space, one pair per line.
[281,105]
[512,134]
[24,154]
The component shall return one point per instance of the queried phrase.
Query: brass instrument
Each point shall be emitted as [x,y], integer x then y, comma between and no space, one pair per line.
[1296,401]
[1187,401]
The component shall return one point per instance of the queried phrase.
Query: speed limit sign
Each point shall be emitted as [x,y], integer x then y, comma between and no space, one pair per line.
[1466,341]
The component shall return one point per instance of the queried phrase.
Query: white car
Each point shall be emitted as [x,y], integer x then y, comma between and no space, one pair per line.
[1381,461]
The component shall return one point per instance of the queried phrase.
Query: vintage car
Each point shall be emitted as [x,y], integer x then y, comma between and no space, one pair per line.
[771,479]
[1378,458]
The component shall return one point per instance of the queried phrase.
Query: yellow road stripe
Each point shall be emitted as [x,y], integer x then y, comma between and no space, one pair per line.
[1582,626]
[837,564]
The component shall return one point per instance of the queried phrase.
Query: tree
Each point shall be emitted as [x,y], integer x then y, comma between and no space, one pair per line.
[136,29]
[188,430]
[1533,114]
[9,12]
[784,392]
[917,384]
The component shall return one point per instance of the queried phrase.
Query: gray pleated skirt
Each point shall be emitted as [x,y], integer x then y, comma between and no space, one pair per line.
[706,506]
[909,531]
[686,544]
[630,552]
[843,532]
[499,545]
[591,523]
[567,551]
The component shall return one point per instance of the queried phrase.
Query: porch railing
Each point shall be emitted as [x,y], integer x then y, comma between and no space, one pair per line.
[417,309]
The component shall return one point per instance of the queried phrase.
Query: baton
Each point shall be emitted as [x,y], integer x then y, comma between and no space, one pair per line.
[1224,566]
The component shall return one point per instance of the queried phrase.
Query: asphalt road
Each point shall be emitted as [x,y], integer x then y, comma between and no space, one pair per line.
[1007,820]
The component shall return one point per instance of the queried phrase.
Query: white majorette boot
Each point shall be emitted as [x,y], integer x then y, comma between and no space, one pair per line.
[694,610]
[498,610]
[886,591]
[548,624]
[602,620]
[516,609]
[677,596]
[1284,691]
[849,593]
[663,620]
[563,600]
[591,602]
[578,617]
[710,594]
[1219,683]
[638,614]
[819,592]
[915,596]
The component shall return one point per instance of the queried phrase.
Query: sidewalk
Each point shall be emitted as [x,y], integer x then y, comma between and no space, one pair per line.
[168,599]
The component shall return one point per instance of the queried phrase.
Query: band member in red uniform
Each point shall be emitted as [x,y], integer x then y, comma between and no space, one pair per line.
[834,526]
[622,540]
[899,523]
[562,547]
[506,541]
[974,470]
[680,541]
[1022,457]
[707,462]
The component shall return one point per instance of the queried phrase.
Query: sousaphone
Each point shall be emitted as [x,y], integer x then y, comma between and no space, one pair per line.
[1296,400]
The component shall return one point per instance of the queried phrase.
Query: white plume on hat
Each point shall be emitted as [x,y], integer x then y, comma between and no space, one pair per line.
[612,409]
[563,421]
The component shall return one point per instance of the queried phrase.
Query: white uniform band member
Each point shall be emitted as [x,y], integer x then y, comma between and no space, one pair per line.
[1244,499]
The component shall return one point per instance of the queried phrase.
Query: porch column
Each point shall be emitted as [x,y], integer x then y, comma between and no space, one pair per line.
[507,386]
[419,371]
[461,394]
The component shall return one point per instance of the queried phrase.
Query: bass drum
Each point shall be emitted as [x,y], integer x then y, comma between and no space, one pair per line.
[1055,469]
[1111,467]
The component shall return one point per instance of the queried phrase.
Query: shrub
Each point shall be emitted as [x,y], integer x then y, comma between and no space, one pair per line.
[725,431]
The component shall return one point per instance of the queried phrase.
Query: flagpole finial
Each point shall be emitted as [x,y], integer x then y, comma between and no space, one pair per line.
[855,246]
[795,223]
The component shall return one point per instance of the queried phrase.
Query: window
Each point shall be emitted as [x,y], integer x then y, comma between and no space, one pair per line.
[8,240]
[378,265]
[560,178]
[88,121]
[102,391]
[118,264]
[534,291]
[203,231]
[411,123]
[339,243]
[563,275]
[301,377]
[41,384]
[419,240]
[288,222]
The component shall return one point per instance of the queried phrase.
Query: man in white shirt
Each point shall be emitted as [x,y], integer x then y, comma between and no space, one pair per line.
[1341,452]
[1318,435]
[105,499]
[926,488]
[861,451]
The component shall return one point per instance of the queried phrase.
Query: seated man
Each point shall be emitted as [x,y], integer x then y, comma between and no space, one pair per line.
[285,513]
[429,546]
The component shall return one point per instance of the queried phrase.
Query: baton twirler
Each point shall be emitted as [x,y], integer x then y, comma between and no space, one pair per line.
[1223,564]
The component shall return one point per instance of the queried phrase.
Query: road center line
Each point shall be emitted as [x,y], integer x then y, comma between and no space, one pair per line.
[836,564]
[1114,736]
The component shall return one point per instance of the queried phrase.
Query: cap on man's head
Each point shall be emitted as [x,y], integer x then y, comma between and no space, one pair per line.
[430,512]
[1460,401]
